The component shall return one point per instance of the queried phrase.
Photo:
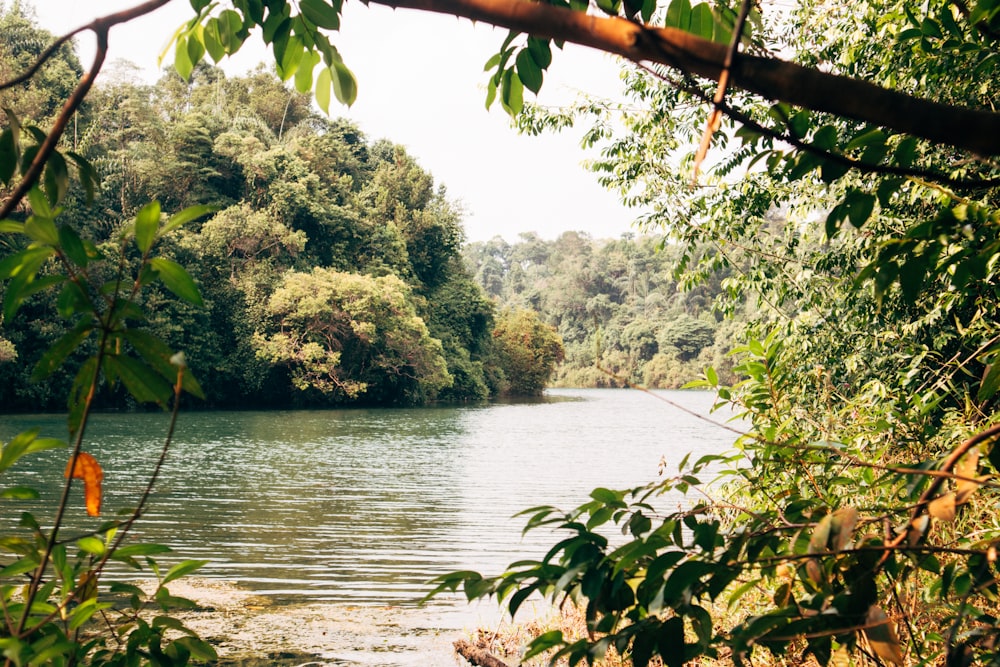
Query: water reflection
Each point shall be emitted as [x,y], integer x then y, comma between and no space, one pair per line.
[364,506]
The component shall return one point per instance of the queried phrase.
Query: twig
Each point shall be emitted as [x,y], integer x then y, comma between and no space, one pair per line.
[100,27]
[715,118]
[477,656]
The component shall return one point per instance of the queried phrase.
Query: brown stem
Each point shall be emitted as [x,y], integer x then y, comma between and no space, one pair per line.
[36,578]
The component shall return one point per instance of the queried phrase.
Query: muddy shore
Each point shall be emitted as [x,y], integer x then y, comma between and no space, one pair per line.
[251,630]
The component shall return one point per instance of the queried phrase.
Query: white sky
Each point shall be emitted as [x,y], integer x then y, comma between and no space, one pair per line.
[421,84]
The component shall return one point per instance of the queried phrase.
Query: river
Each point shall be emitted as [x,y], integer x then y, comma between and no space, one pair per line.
[360,508]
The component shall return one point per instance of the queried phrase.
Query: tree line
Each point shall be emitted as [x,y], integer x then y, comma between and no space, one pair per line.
[330,266]
[623,312]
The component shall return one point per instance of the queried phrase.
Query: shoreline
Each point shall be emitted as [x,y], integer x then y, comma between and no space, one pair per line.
[251,630]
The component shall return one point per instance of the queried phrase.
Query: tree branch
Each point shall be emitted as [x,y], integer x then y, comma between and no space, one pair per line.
[970,129]
[100,27]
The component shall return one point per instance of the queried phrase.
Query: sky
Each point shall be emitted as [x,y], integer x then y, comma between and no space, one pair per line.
[421,84]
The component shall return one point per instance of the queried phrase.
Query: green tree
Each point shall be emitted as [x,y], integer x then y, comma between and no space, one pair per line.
[528,351]
[353,336]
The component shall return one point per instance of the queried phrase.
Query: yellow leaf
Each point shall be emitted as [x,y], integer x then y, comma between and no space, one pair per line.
[89,470]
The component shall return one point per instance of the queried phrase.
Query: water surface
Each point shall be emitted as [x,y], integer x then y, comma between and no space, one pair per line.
[365,506]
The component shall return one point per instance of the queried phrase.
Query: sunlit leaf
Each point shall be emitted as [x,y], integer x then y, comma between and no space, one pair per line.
[942,508]
[183,569]
[345,86]
[56,178]
[320,13]
[177,280]
[147,223]
[86,468]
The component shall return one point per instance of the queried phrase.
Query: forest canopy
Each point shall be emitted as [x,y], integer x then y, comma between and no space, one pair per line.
[301,205]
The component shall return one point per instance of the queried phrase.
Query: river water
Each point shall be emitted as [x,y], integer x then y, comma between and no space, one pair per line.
[363,507]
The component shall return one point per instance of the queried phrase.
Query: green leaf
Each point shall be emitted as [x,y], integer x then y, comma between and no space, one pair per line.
[20,566]
[147,223]
[182,569]
[182,61]
[679,15]
[133,550]
[610,7]
[702,21]
[177,280]
[21,268]
[56,178]
[291,55]
[85,610]
[543,642]
[72,246]
[91,545]
[88,176]
[213,41]
[8,156]
[345,86]
[20,493]
[157,354]
[187,215]
[529,71]
[304,75]
[321,14]
[231,32]
[324,82]
[61,349]
[195,46]
[199,649]
[141,382]
[26,443]
[39,203]
[42,229]
[540,50]
[859,207]
[512,93]
[991,381]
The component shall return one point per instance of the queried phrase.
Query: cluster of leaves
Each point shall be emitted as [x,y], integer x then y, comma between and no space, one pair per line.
[298,43]
[787,548]
[66,614]
[855,518]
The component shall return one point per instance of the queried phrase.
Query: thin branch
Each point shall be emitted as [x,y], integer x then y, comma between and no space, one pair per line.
[837,158]
[100,27]
[715,118]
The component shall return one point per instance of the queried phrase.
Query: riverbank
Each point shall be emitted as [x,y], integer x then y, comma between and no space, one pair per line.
[251,631]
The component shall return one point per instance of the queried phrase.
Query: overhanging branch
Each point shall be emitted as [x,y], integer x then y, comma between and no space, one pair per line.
[973,130]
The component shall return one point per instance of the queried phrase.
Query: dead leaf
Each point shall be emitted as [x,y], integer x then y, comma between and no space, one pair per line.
[89,470]
[942,508]
[968,466]
[821,535]
[881,634]
[917,529]
[844,522]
